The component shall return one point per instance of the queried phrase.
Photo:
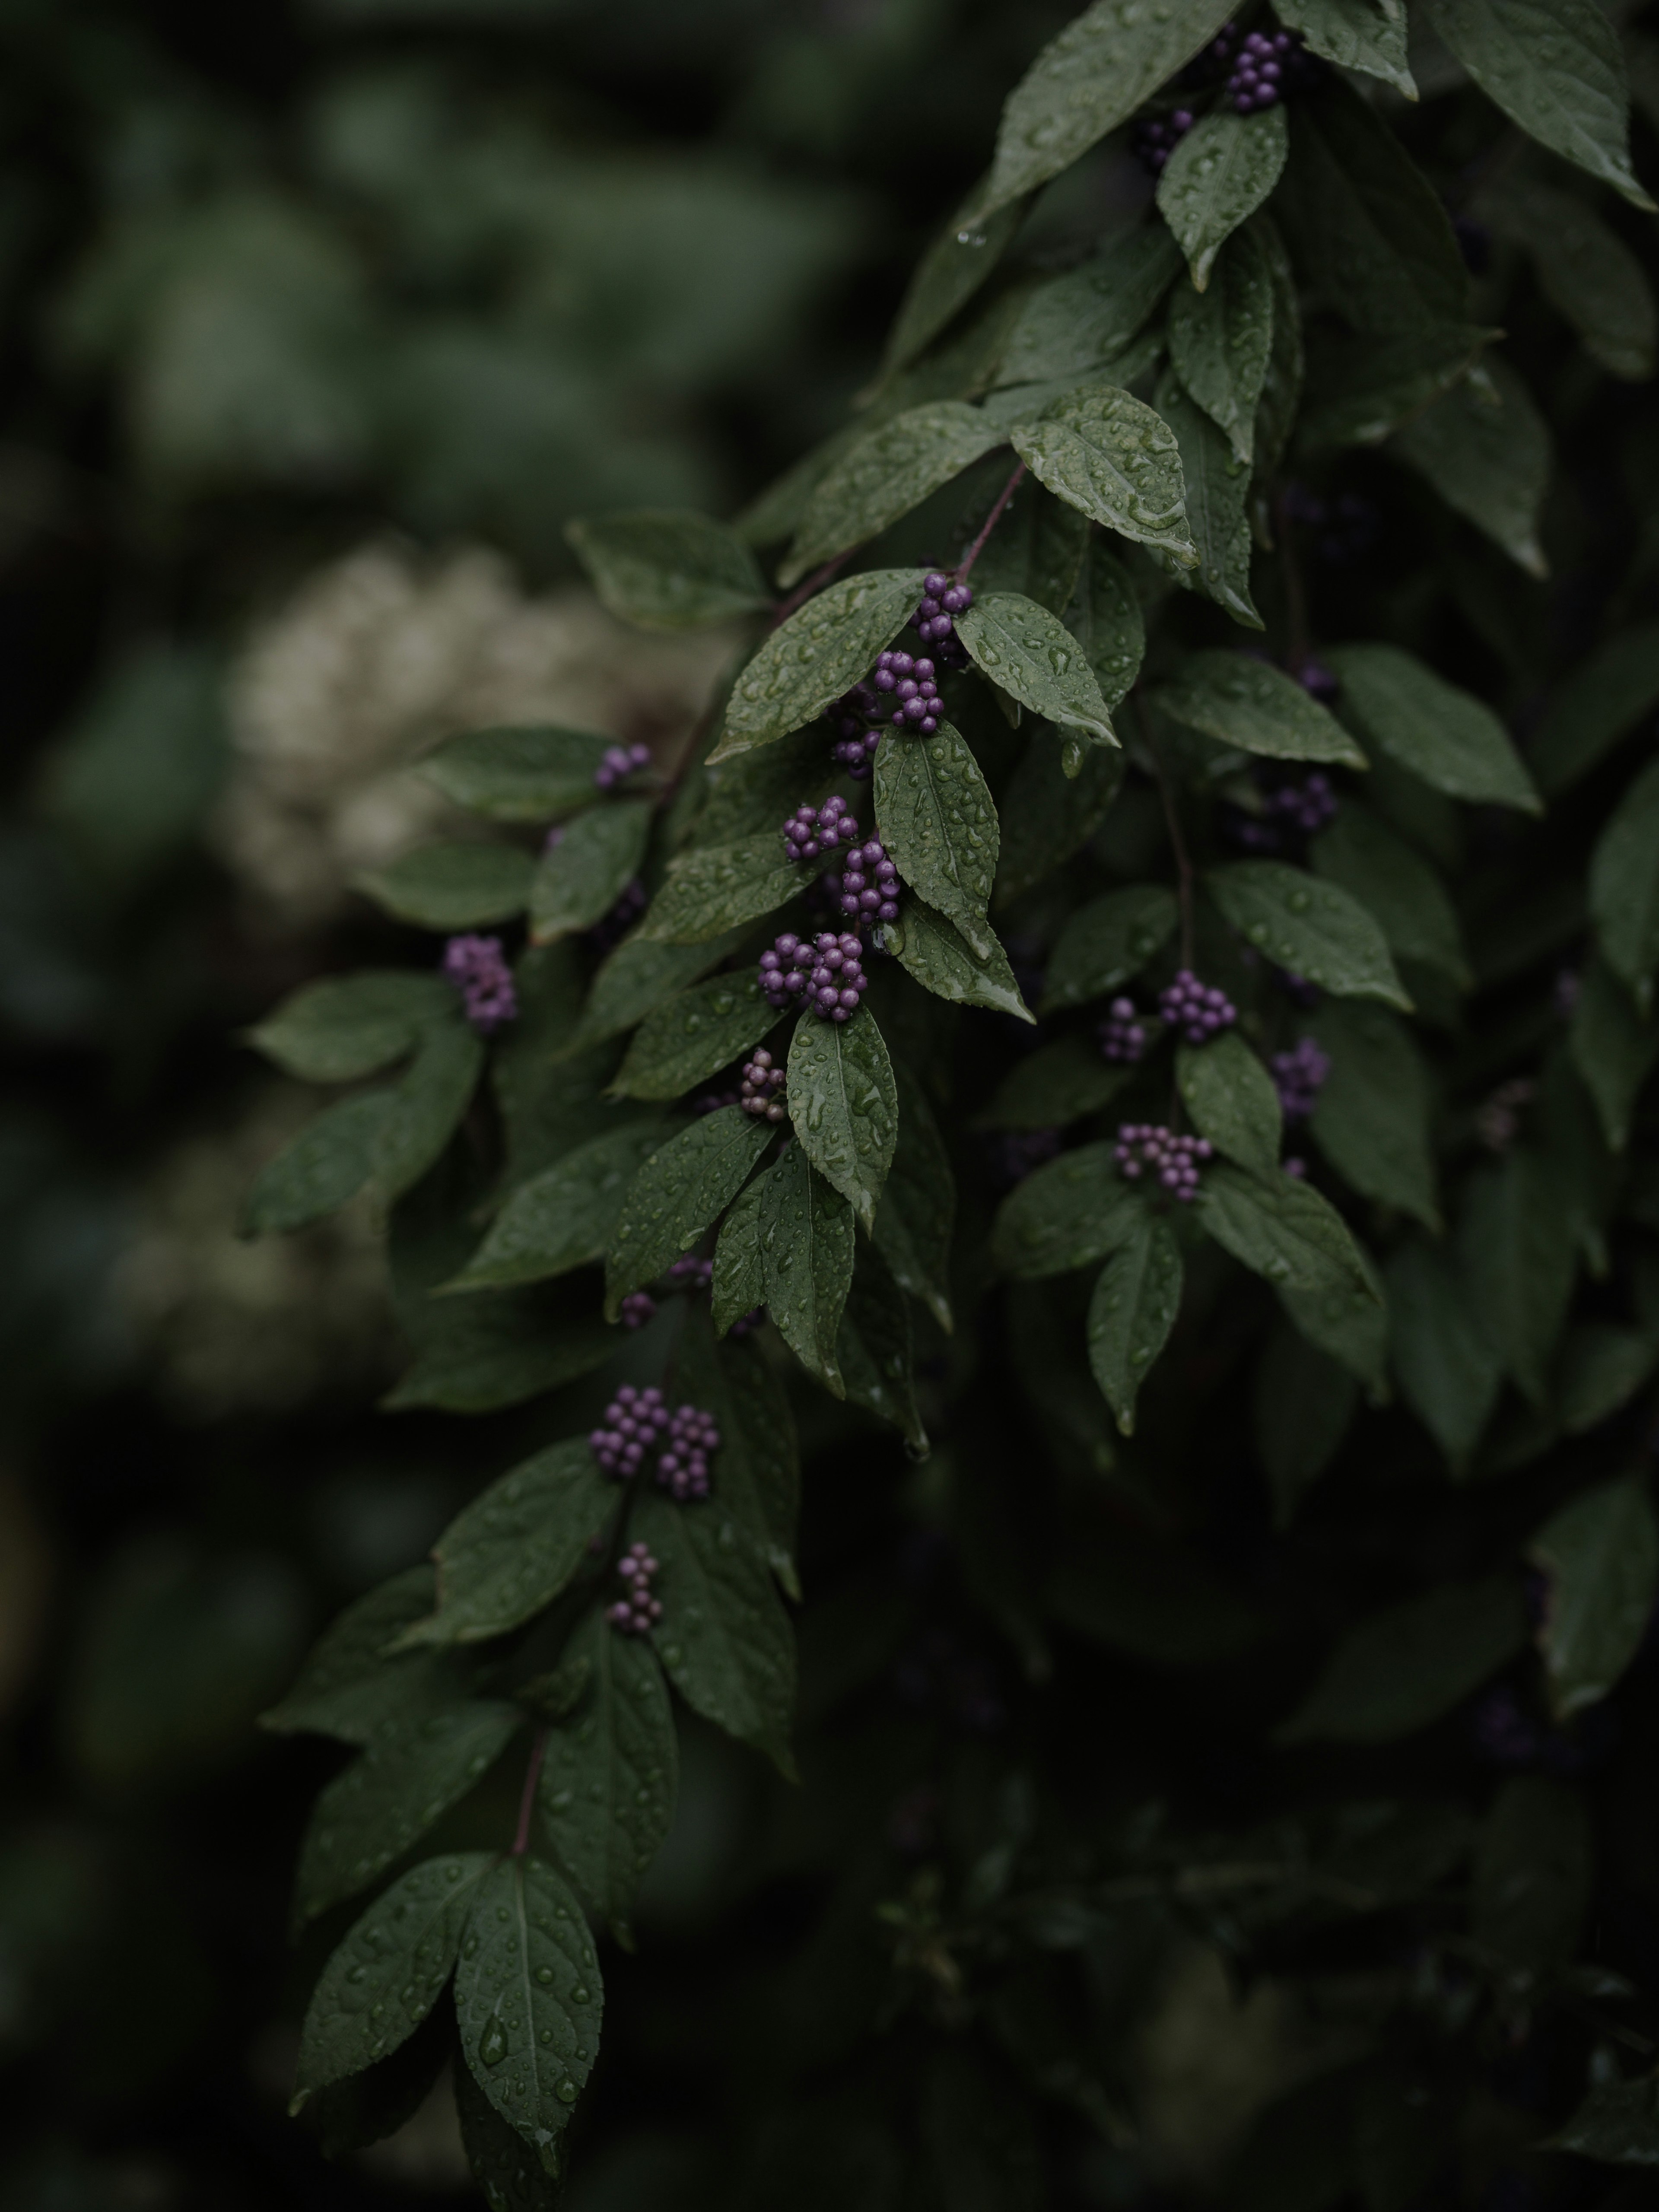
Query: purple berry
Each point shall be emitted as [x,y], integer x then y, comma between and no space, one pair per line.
[636,1612]
[1121,1036]
[1147,1149]
[1196,1010]
[632,1421]
[683,1465]
[637,1308]
[763,1088]
[476,966]
[1298,1076]
[688,1273]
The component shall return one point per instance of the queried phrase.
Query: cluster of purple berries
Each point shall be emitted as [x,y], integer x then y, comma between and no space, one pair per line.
[1298,1078]
[682,1468]
[943,599]
[476,966]
[856,744]
[632,1421]
[1199,1011]
[1172,1161]
[811,829]
[1156,139]
[1121,1036]
[911,684]
[620,763]
[1270,63]
[688,1273]
[763,1088]
[826,974]
[867,887]
[636,1309]
[637,1612]
[1305,806]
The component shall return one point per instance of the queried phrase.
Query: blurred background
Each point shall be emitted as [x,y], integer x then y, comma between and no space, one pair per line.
[320,320]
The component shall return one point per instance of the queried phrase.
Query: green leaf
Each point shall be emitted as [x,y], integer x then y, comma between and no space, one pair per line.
[1086,82]
[1618,2122]
[1534,1869]
[805,1230]
[1219,174]
[1242,702]
[1067,1213]
[351,1025]
[1107,941]
[739,1280]
[1447,737]
[579,881]
[1602,1369]
[1355,34]
[1232,1100]
[1282,1230]
[844,1105]
[528,1998]
[694,1037]
[324,1168]
[1555,68]
[413,1768]
[758,1474]
[1111,456]
[1396,886]
[516,1546]
[348,1687]
[1490,463]
[1601,1552]
[1366,229]
[724,1637]
[714,888]
[873,1349]
[821,652]
[939,823]
[1307,927]
[1521,1256]
[950,272]
[1403,1667]
[1349,1328]
[669,568]
[1304,1406]
[611,1772]
[891,470]
[564,1217]
[1050,809]
[511,2176]
[917,1211]
[1624,886]
[1136,1297]
[367,2108]
[1218,487]
[1104,616]
[1613,1048]
[1059,1083]
[677,1192]
[1373,1114]
[1584,270]
[1364,388]
[935,951]
[1281,393]
[1037,550]
[1221,339]
[424,1107]
[1599,702]
[1031,655]
[453,886]
[389,1973]
[1075,324]
[1448,1367]
[639,976]
[535,775]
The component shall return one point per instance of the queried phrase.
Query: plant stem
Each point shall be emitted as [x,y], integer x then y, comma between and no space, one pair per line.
[533,1775]
[991,522]
[802,592]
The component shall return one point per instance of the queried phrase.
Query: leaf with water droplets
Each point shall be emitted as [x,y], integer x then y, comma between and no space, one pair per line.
[1624,887]
[1281,392]
[1372,1117]
[508,1554]
[724,1637]
[639,976]
[1217,178]
[917,1205]
[935,951]
[453,886]
[1037,548]
[528,1997]
[1087,81]
[1397,1670]
[669,567]
[1230,1097]
[1490,463]
[348,1687]
[823,650]
[1051,807]
[844,1105]
[605,1799]
[1280,1228]
[677,1194]
[739,1278]
[939,823]
[1217,489]
[874,1350]
[1355,34]
[1447,737]
[582,878]
[694,1037]
[1221,340]
[1242,702]
[714,888]
[758,1472]
[511,2176]
[564,1217]
[1110,455]
[352,1025]
[411,1770]
[804,1228]
[950,272]
[389,1973]
[1106,942]
[1067,1213]
[1584,270]
[1136,1297]
[1556,68]
[1057,1084]
[1104,616]
[1031,655]
[1307,927]
[891,470]
[1080,324]
[536,775]
[1364,388]
[1396,886]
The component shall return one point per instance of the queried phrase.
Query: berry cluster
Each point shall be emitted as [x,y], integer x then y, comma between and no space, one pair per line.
[612,928]
[637,1308]
[682,1468]
[1298,1078]
[810,831]
[763,1087]
[824,974]
[1199,1011]
[934,622]
[867,888]
[476,966]
[1121,1036]
[911,685]
[620,763]
[1155,140]
[1174,1161]
[1306,806]
[634,1421]
[688,1273]
[856,746]
[1270,63]
[638,1613]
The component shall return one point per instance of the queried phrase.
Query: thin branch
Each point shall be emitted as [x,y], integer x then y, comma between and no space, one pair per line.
[991,522]
[802,592]
[533,1775]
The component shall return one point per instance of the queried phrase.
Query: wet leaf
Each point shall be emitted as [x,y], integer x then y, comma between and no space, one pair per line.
[1242,702]
[579,881]
[1282,1230]
[1219,174]
[1066,1214]
[873,1349]
[844,1105]
[1397,888]
[1447,1366]
[1231,1098]
[822,650]
[1104,616]
[564,1217]
[1490,463]
[1111,456]
[1445,736]
[938,821]
[1057,1084]
[536,775]
[1355,34]
[942,961]
[351,1025]
[804,1230]
[669,567]
[917,1212]
[1221,339]
[453,886]
[1613,1048]
[1307,927]
[1034,657]
[680,1191]
[714,888]
[1372,1120]
[887,472]
[1136,1297]
[1050,809]
[694,1037]
[1108,941]
[1082,321]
